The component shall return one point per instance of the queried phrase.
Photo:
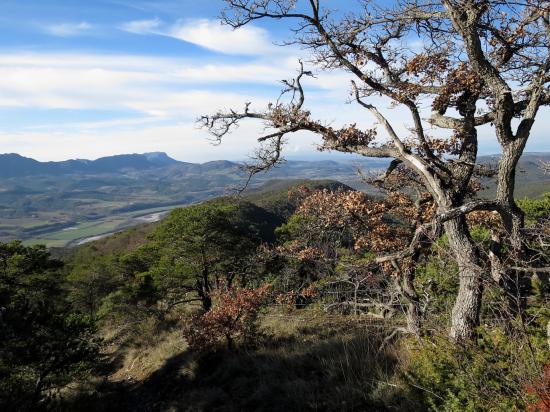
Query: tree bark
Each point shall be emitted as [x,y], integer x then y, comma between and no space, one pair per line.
[414,318]
[203,290]
[515,284]
[414,312]
[404,283]
[465,313]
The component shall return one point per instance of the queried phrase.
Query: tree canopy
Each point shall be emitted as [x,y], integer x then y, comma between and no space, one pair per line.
[45,345]
[476,62]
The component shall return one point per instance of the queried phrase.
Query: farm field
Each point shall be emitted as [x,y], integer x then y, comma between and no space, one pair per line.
[87,231]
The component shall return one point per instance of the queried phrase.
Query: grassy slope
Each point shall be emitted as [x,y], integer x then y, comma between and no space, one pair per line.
[308,363]
[116,244]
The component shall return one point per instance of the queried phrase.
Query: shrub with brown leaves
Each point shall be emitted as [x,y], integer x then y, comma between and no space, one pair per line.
[233,318]
[540,392]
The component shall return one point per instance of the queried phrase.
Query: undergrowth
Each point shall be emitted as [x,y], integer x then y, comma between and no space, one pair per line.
[305,361]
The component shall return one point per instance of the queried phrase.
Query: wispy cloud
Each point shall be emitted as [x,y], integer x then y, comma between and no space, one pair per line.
[158,99]
[152,85]
[170,7]
[209,34]
[150,26]
[161,89]
[68,29]
[212,35]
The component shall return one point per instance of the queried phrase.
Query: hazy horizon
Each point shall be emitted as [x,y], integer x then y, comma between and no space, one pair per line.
[338,157]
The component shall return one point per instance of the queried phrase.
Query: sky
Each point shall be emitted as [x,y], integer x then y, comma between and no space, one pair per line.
[85,79]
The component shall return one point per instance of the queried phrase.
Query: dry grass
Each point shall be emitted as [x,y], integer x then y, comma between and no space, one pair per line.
[304,361]
[140,362]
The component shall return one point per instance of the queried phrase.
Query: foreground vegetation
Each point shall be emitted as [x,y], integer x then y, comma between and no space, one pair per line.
[230,306]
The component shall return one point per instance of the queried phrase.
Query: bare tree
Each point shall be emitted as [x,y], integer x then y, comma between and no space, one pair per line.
[480,62]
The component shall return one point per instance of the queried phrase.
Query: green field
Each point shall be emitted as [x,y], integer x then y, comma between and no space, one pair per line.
[82,230]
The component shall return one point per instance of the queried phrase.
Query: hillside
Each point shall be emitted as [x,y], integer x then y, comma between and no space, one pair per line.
[69,202]
[300,352]
[303,356]
[531,181]
[271,199]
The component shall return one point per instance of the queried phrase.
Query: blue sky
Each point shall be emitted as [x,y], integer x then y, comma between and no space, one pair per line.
[83,79]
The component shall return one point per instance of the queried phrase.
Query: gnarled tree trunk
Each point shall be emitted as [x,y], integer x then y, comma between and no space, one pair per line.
[465,313]
[479,63]
[515,284]
[414,311]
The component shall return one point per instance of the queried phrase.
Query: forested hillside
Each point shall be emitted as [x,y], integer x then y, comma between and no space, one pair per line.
[265,302]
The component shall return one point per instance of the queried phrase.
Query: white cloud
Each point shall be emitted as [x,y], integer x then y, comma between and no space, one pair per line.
[113,124]
[94,88]
[68,29]
[159,92]
[209,34]
[160,87]
[142,26]
[212,35]
[182,141]
[155,95]
[168,70]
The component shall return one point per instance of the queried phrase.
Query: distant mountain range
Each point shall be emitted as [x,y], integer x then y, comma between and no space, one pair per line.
[15,165]
[61,202]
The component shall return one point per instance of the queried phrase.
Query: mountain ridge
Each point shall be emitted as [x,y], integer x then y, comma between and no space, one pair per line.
[16,165]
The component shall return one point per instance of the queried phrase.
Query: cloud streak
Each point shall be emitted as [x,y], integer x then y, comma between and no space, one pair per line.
[208,34]
[150,26]
[68,29]
[160,87]
[155,100]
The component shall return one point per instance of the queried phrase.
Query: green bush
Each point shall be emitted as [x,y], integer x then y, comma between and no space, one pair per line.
[490,376]
[536,209]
